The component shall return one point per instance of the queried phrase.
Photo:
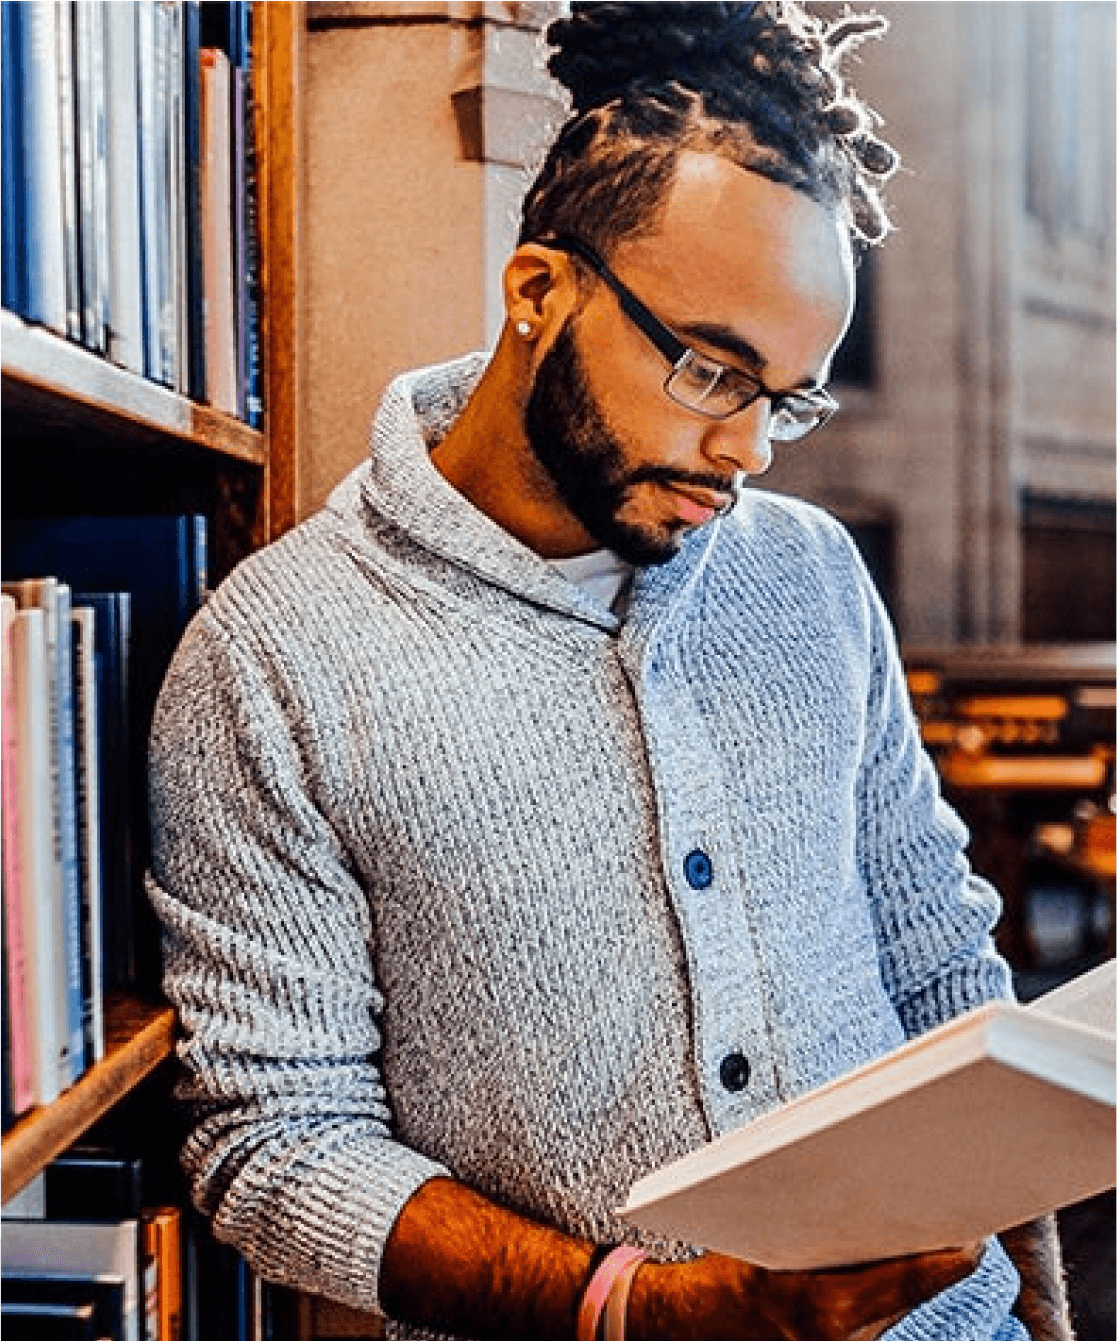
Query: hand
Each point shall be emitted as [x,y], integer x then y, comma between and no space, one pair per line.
[720,1299]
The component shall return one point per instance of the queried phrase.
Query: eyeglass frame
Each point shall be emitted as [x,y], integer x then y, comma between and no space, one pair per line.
[678,353]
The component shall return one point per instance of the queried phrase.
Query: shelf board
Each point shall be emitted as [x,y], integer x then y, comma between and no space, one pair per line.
[138,1036]
[47,377]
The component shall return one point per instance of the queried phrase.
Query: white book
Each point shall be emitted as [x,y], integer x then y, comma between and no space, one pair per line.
[88,797]
[217,232]
[989,1121]
[53,598]
[125,335]
[41,926]
[66,1247]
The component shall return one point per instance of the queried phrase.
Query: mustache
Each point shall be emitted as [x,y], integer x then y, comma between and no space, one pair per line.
[723,484]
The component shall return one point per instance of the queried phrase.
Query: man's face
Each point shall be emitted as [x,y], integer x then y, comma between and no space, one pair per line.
[596,476]
[749,273]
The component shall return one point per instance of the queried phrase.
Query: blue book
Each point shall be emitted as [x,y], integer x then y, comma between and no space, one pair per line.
[112,612]
[14,204]
[191,24]
[162,562]
[38,121]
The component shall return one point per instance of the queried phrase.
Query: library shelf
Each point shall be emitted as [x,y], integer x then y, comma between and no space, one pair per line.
[139,1034]
[50,380]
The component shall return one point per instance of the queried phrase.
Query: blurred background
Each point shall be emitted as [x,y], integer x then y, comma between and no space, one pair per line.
[973,459]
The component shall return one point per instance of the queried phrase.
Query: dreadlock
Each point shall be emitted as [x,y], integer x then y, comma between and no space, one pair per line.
[760,84]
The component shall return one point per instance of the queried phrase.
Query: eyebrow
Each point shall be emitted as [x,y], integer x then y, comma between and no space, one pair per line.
[725,339]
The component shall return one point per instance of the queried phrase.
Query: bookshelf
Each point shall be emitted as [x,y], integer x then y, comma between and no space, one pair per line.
[83,436]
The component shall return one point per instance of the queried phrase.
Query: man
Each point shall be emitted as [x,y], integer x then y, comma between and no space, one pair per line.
[550,802]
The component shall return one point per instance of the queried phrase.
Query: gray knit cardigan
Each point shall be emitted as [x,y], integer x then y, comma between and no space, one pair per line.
[460,872]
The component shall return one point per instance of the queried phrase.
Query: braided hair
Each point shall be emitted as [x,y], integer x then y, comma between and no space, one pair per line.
[760,84]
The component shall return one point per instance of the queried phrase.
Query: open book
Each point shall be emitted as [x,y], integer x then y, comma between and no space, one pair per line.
[988,1121]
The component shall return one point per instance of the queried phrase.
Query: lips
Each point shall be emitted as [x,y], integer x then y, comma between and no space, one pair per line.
[698,506]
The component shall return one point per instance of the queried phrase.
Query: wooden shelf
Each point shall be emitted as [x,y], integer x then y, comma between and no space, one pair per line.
[47,379]
[138,1036]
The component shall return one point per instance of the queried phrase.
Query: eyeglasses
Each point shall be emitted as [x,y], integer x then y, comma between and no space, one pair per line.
[702,384]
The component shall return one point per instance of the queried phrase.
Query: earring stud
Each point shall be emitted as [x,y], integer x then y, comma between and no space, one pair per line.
[523,328]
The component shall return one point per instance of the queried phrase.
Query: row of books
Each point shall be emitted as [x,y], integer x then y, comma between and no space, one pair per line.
[87,1257]
[93,608]
[129,187]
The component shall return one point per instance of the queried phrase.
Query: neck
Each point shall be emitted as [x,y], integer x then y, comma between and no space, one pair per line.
[486,456]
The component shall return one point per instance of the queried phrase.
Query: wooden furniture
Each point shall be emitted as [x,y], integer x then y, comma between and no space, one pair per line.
[1023,740]
[83,436]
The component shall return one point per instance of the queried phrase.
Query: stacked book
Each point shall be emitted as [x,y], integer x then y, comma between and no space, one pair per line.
[92,610]
[129,187]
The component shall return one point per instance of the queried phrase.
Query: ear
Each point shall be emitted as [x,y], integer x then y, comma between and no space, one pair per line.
[540,291]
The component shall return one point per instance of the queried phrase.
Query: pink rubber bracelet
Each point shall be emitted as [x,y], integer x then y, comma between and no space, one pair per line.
[616,1306]
[597,1291]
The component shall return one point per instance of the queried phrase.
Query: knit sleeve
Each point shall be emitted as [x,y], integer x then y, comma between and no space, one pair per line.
[933,915]
[268,959]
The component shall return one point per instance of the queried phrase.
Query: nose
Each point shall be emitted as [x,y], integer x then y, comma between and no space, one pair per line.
[740,443]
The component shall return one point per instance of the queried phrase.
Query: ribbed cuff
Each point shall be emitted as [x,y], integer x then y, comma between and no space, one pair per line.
[976,1309]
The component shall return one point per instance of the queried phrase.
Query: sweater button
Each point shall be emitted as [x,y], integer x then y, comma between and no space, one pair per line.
[698,869]
[735,1071]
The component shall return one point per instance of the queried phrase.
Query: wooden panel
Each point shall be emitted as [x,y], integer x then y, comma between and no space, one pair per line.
[138,1036]
[50,380]
[278,37]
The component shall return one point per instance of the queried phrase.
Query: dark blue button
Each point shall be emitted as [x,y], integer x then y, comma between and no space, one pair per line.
[735,1071]
[698,869]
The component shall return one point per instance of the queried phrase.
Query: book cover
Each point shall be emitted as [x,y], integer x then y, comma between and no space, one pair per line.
[67,1247]
[20,1075]
[125,330]
[42,911]
[88,809]
[989,1121]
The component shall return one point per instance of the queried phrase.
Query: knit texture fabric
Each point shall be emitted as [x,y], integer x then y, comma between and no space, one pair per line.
[460,872]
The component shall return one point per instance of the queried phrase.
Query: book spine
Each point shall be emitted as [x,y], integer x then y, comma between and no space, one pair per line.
[217,231]
[33,819]
[67,133]
[254,390]
[85,100]
[176,94]
[163,24]
[21,1093]
[66,828]
[102,297]
[125,333]
[149,174]
[11,142]
[42,161]
[240,233]
[163,1245]
[88,808]
[191,24]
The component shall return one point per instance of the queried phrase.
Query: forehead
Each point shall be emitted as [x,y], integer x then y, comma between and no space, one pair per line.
[735,249]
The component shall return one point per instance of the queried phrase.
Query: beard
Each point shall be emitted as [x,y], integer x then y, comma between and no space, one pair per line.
[585,461]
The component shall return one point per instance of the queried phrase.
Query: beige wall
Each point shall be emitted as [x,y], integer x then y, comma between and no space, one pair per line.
[995,338]
[418,120]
